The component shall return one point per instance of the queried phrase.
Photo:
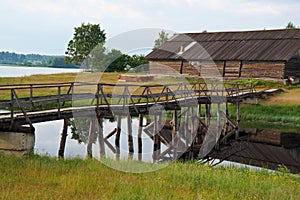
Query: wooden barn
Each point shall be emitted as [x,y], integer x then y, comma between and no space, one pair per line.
[265,54]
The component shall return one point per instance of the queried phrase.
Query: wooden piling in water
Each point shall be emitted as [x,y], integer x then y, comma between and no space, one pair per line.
[186,127]
[155,138]
[130,139]
[117,138]
[227,121]
[63,139]
[219,128]
[175,133]
[89,148]
[140,144]
[238,119]
[207,114]
[199,131]
[193,133]
[100,137]
[159,127]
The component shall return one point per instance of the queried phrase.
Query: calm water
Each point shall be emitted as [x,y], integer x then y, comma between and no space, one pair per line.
[47,137]
[16,71]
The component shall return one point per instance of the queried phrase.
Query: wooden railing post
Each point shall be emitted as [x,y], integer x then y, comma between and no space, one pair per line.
[14,94]
[72,90]
[11,107]
[98,100]
[31,96]
[58,100]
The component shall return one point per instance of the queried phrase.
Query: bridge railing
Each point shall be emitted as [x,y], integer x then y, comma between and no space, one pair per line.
[24,98]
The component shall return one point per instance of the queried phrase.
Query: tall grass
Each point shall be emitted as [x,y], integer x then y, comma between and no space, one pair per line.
[39,177]
[269,113]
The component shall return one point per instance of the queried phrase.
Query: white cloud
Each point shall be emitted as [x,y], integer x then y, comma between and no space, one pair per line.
[255,7]
[77,8]
[49,24]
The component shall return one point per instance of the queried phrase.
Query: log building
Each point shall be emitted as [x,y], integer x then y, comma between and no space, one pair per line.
[265,54]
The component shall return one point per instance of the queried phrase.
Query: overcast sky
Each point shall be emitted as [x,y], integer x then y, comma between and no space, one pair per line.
[46,26]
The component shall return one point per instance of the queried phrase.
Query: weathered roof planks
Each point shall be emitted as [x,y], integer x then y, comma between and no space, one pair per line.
[265,45]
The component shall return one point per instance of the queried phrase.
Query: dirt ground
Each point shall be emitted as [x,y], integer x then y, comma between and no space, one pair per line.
[288,97]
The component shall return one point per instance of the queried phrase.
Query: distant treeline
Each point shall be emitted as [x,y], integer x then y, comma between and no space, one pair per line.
[8,58]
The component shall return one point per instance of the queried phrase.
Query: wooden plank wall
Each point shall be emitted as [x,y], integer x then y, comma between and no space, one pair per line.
[272,70]
[292,67]
[263,70]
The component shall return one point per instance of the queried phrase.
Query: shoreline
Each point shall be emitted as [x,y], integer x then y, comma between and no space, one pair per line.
[55,67]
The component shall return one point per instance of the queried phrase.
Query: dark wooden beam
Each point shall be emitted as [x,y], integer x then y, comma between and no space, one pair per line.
[63,139]
[181,67]
[240,69]
[224,68]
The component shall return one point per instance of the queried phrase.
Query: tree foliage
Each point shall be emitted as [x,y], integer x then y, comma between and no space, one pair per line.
[97,57]
[162,38]
[87,46]
[290,26]
[33,60]
[85,39]
[114,60]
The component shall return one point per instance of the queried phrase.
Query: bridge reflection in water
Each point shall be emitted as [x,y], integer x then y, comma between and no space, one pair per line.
[185,120]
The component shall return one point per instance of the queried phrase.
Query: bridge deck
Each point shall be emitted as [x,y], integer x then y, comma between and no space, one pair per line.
[64,100]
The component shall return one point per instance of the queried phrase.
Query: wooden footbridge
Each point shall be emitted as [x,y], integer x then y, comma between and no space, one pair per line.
[195,112]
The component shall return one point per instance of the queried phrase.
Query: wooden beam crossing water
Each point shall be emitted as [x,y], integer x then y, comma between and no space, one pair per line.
[29,104]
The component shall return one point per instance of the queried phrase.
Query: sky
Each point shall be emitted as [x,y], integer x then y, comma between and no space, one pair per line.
[46,26]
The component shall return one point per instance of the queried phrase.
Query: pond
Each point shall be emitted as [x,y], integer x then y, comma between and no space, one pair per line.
[260,147]
[264,144]
[17,71]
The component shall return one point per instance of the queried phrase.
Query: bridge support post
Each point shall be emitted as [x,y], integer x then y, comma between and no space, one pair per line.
[130,139]
[100,137]
[186,127]
[207,114]
[175,133]
[219,128]
[118,134]
[227,122]
[140,144]
[90,139]
[199,132]
[156,139]
[192,134]
[63,139]
[238,119]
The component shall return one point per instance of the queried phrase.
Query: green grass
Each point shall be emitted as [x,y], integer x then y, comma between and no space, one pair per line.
[268,113]
[257,83]
[39,177]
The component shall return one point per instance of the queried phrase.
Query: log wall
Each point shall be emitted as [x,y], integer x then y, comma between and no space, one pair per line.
[292,68]
[272,70]
[263,70]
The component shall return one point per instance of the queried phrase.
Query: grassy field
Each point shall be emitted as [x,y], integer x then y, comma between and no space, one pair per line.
[38,177]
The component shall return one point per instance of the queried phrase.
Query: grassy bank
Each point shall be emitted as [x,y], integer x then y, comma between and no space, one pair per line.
[269,113]
[48,178]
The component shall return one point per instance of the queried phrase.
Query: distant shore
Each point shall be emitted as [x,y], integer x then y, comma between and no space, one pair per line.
[58,67]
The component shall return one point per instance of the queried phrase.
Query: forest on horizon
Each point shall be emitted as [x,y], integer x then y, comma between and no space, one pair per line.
[33,60]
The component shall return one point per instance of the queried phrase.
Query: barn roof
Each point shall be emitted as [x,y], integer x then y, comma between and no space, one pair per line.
[266,45]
